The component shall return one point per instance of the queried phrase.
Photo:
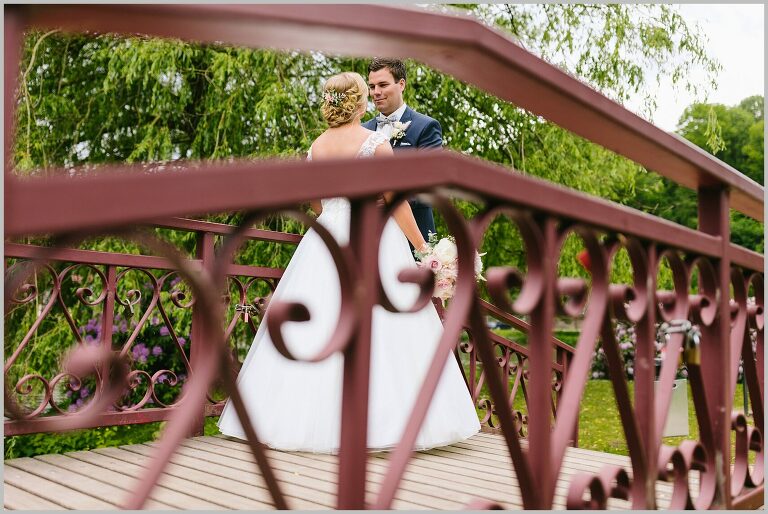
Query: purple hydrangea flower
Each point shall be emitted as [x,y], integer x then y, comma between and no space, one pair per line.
[182,341]
[79,402]
[164,331]
[140,352]
[175,281]
[155,320]
[156,350]
[94,325]
[84,392]
[72,408]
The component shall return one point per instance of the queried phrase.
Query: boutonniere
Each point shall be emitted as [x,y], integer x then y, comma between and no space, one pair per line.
[398,130]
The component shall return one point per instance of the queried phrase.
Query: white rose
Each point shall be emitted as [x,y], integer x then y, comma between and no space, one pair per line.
[446,251]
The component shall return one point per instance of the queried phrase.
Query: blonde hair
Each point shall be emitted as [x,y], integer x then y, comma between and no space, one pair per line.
[343,95]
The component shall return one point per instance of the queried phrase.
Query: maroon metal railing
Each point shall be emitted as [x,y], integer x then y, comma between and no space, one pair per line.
[142,309]
[247,310]
[707,318]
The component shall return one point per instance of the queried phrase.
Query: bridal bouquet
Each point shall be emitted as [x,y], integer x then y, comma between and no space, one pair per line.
[442,258]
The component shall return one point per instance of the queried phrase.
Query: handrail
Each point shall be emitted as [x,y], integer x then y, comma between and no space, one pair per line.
[518,323]
[453,43]
[222,229]
[26,251]
[280,183]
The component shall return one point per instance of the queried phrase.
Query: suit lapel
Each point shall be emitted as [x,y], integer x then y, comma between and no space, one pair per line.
[407,115]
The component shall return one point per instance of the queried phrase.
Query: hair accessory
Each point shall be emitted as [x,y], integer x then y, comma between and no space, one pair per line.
[334,98]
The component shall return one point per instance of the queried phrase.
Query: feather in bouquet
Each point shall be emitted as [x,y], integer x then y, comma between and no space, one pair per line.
[442,257]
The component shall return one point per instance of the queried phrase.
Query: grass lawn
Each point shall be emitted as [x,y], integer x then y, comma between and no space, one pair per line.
[600,427]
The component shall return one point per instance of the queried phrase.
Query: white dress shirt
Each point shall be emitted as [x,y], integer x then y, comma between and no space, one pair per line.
[386,129]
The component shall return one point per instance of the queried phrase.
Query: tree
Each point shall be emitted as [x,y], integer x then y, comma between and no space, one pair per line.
[739,130]
[737,140]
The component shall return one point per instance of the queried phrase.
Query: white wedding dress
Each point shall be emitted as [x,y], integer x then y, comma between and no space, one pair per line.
[297,405]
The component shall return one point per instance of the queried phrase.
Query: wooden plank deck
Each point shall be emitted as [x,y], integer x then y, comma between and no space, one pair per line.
[218,473]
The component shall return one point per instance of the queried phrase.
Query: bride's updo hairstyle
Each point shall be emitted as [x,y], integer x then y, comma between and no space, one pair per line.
[343,96]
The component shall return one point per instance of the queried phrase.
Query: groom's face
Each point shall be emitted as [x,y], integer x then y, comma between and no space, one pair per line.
[386,92]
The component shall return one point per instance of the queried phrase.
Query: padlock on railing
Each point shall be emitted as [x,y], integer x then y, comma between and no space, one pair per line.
[247,310]
[691,354]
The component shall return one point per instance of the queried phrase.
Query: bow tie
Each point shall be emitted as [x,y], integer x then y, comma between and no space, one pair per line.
[385,120]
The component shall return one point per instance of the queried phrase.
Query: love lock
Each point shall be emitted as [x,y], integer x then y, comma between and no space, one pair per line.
[246,309]
[692,348]
[692,341]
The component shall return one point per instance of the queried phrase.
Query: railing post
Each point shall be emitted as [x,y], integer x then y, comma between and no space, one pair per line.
[714,219]
[204,250]
[564,359]
[108,315]
[540,437]
[644,487]
[353,457]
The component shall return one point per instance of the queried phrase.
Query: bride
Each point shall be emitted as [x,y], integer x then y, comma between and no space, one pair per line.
[297,405]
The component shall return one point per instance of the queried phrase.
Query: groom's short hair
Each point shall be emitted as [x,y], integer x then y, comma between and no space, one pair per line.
[395,66]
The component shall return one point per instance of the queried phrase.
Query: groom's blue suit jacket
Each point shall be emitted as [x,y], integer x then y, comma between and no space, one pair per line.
[423,132]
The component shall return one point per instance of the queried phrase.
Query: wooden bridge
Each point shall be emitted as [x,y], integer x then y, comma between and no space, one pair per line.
[219,473]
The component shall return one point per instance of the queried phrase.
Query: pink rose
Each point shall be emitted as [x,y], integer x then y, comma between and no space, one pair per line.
[433,263]
[444,288]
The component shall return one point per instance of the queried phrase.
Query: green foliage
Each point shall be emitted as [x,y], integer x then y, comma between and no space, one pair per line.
[618,49]
[78,440]
[739,127]
[739,142]
[40,444]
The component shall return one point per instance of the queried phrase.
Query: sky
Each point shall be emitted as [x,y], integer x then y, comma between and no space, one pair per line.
[736,40]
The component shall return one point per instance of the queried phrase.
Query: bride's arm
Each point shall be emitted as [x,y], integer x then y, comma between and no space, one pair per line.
[403,214]
[404,217]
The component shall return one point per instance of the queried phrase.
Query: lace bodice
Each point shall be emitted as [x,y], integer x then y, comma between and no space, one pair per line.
[367,149]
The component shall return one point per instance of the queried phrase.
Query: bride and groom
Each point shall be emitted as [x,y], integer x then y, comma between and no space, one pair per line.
[297,405]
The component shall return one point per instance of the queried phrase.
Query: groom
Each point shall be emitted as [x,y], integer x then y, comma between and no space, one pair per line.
[406,128]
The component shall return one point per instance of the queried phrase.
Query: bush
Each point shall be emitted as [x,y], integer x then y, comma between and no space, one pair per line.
[626,338]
